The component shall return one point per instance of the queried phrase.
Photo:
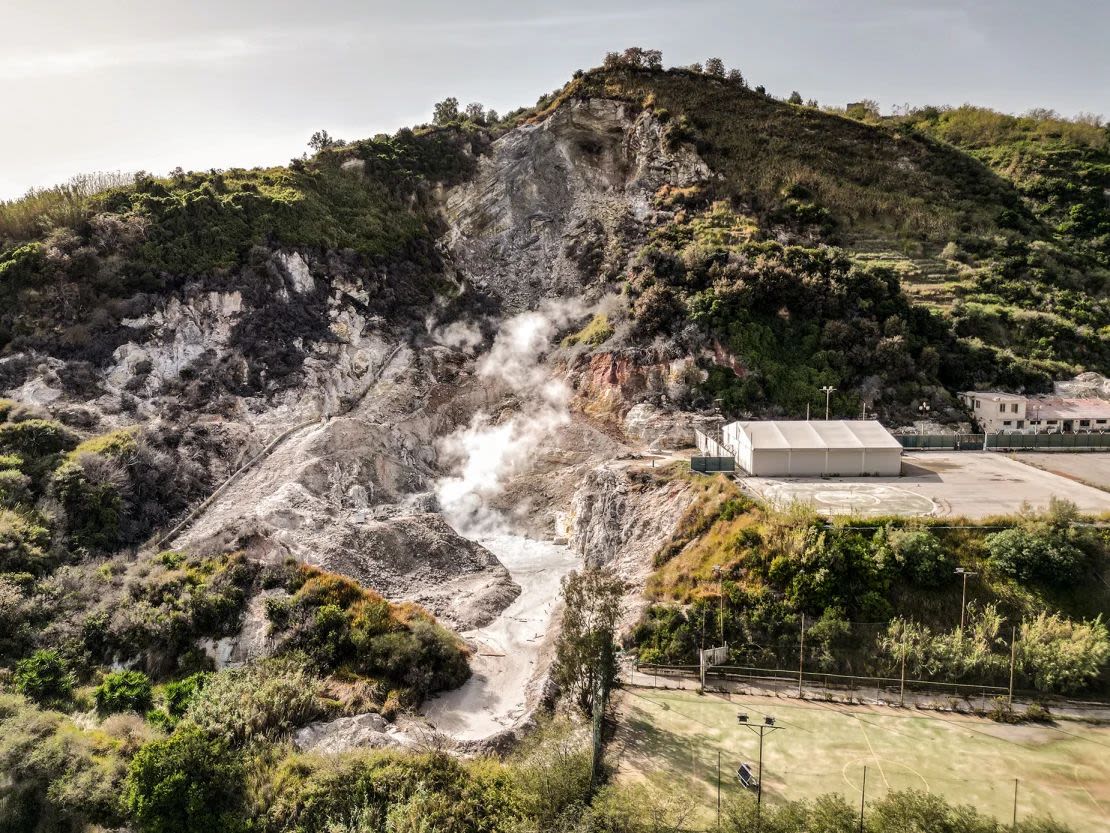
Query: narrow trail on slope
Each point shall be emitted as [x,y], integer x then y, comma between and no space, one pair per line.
[197,516]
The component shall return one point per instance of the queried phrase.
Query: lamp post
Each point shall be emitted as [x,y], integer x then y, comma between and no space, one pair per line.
[766,727]
[923,410]
[827,390]
[960,571]
[721,596]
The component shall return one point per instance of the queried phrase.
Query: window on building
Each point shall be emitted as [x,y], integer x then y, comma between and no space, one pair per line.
[977,403]
[1034,422]
[1002,408]
[1006,422]
[1084,422]
[1013,408]
[1052,422]
[1100,421]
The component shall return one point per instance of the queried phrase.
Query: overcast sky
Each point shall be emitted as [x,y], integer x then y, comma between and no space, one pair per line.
[152,84]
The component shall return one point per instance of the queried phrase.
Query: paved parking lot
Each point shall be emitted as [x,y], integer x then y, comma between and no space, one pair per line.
[969,484]
[1093,468]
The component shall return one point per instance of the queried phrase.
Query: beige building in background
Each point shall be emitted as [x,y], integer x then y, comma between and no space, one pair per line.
[997,412]
[814,448]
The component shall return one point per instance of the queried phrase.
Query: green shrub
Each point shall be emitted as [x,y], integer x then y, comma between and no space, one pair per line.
[1060,654]
[56,776]
[34,438]
[123,691]
[186,783]
[89,489]
[921,556]
[179,694]
[267,699]
[390,790]
[1042,556]
[44,676]
[338,624]
[23,544]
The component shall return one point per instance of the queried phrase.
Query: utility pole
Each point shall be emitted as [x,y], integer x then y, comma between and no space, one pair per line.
[902,687]
[1014,823]
[827,390]
[862,798]
[1013,662]
[960,571]
[801,654]
[721,597]
[766,727]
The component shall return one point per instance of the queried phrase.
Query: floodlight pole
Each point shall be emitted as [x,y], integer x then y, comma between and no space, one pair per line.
[902,687]
[1013,661]
[862,798]
[827,390]
[963,602]
[801,654]
[759,786]
[767,726]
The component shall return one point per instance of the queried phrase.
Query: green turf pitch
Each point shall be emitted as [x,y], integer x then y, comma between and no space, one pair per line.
[673,737]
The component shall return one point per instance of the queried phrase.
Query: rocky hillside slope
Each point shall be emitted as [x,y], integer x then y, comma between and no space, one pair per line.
[369,360]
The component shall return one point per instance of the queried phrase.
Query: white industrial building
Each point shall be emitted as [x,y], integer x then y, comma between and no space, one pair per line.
[804,448]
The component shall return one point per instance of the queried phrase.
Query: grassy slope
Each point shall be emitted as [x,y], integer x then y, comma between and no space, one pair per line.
[869,177]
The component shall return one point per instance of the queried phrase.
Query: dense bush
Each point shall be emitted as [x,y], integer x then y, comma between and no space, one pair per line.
[1060,654]
[89,490]
[390,791]
[919,554]
[122,691]
[56,776]
[23,544]
[267,699]
[1035,556]
[185,783]
[337,624]
[45,676]
[1054,653]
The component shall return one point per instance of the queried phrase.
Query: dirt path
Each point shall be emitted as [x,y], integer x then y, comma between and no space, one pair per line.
[510,663]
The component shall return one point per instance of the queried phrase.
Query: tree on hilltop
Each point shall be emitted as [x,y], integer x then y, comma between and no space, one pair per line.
[446,111]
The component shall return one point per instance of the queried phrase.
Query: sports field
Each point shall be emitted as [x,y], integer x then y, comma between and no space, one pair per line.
[673,737]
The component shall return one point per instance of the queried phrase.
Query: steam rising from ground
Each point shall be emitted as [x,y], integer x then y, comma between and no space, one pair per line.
[488,453]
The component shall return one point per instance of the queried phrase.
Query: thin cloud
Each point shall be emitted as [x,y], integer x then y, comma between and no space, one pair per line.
[202,50]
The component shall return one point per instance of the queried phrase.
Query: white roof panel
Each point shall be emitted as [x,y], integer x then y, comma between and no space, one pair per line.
[819,434]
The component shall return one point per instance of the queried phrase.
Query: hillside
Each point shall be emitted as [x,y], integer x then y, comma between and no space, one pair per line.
[292,460]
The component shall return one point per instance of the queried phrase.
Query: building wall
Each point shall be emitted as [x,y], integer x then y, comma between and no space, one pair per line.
[777,462]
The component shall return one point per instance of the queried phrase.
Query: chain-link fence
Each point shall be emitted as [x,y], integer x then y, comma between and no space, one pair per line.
[1008,441]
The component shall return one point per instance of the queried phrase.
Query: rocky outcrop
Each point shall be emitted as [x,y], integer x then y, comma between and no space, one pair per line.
[621,516]
[1090,384]
[608,384]
[556,204]
[368,731]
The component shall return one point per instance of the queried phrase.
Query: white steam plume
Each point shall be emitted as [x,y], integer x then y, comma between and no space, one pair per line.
[486,454]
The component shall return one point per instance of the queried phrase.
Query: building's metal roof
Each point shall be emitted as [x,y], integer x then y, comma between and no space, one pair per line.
[1067,408]
[833,434]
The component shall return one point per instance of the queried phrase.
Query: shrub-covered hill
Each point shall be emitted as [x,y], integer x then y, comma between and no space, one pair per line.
[80,264]
[1000,231]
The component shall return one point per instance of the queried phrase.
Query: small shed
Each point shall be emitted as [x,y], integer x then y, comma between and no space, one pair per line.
[817,448]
